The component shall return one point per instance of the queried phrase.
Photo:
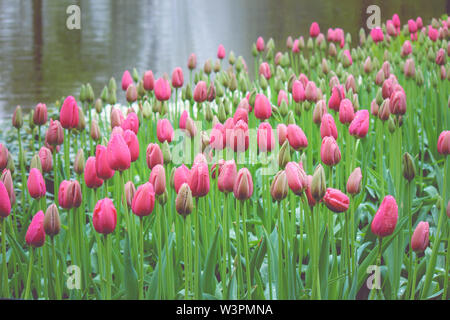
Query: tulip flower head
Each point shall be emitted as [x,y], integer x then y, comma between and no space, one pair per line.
[443,145]
[5,202]
[36,184]
[420,238]
[144,200]
[385,219]
[69,114]
[35,235]
[199,180]
[118,153]
[335,200]
[243,185]
[104,217]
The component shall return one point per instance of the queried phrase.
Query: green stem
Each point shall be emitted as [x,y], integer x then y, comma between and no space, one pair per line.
[108,267]
[141,255]
[30,266]
[5,268]
[55,267]
[247,259]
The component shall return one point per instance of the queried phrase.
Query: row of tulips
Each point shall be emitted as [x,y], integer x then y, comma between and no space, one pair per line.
[361,180]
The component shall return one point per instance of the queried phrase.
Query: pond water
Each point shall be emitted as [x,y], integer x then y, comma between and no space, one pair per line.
[41,60]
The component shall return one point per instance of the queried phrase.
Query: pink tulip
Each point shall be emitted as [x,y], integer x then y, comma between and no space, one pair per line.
[199,180]
[221,52]
[349,57]
[281,133]
[303,79]
[335,200]
[243,185]
[158,179]
[3,157]
[143,201]
[35,235]
[296,46]
[8,183]
[311,91]
[265,138]
[240,114]
[419,23]
[162,89]
[45,155]
[360,124]
[131,123]
[263,108]
[126,80]
[217,139]
[68,115]
[412,26]
[154,155]
[164,130]
[390,28]
[264,70]
[102,167]
[282,96]
[5,202]
[354,181]
[314,30]
[36,184]
[433,33]
[296,137]
[328,127]
[397,102]
[118,154]
[385,220]
[40,114]
[90,174]
[396,20]
[421,237]
[260,44]
[298,92]
[443,145]
[311,200]
[104,217]
[296,177]
[116,118]
[377,35]
[177,78]
[346,111]
[227,176]
[55,133]
[329,151]
[183,118]
[149,80]
[180,176]
[133,144]
[192,61]
[239,137]
[200,92]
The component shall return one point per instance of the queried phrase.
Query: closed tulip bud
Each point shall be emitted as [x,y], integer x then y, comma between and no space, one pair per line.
[443,145]
[180,176]
[265,138]
[95,131]
[335,200]
[184,203]
[10,165]
[328,127]
[384,112]
[319,111]
[448,209]
[118,153]
[359,127]
[409,169]
[55,133]
[385,219]
[17,118]
[104,171]
[177,78]
[211,93]
[131,93]
[5,201]
[45,156]
[30,120]
[298,92]
[89,93]
[52,223]
[162,89]
[112,99]
[296,137]
[90,174]
[296,177]
[354,181]
[164,130]
[337,94]
[126,80]
[116,118]
[329,152]
[311,91]
[167,155]
[263,82]
[397,104]
[8,183]
[227,176]
[154,155]
[98,105]
[346,112]
[40,114]
[374,108]
[35,235]
[158,179]
[79,163]
[69,114]
[36,162]
[200,92]
[71,195]
[130,190]
[281,133]
[3,157]
[192,61]
[318,183]
[104,217]
[191,129]
[332,51]
[279,187]
[243,184]
[284,156]
[368,65]
[199,179]
[420,238]
[82,120]
[391,125]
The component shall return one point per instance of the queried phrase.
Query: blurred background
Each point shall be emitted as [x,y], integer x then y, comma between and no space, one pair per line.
[41,60]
